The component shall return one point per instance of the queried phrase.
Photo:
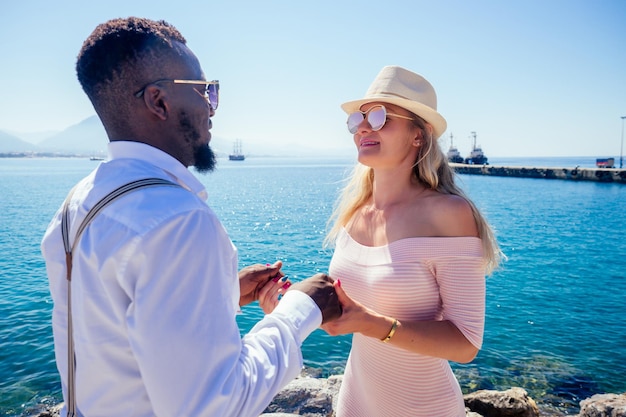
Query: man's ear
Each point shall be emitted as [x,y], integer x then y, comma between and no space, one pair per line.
[156,100]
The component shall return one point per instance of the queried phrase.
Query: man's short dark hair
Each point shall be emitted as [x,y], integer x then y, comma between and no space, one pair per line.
[111,53]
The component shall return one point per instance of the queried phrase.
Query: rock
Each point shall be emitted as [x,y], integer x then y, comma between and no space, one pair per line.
[514,402]
[305,396]
[604,405]
[54,411]
[308,396]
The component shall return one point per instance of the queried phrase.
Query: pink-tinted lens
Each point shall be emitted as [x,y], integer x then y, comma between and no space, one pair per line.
[354,120]
[377,117]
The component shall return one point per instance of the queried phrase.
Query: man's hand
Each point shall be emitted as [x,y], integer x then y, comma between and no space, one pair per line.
[320,288]
[252,278]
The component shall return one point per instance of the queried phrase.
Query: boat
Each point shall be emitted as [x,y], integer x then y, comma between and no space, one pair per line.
[605,162]
[453,153]
[476,156]
[237,154]
[96,158]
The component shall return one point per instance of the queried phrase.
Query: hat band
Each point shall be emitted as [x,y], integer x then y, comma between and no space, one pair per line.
[385,94]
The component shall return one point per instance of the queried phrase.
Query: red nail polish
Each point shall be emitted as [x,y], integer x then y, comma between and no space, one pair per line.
[338,282]
[287,285]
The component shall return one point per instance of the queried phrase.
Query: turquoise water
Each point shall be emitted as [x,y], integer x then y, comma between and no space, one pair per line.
[555,311]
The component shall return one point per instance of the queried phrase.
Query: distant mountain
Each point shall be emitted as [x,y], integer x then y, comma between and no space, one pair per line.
[33,137]
[10,143]
[86,137]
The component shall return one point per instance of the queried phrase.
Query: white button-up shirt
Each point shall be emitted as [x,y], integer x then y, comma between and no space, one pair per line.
[155,292]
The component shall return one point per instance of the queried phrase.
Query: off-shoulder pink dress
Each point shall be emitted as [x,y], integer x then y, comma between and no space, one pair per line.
[422,278]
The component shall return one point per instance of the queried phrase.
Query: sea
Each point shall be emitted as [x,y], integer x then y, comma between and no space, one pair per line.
[555,310]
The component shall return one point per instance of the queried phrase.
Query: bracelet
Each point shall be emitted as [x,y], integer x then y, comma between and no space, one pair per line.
[394,327]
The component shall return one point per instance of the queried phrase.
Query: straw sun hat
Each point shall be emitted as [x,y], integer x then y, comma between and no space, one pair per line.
[411,91]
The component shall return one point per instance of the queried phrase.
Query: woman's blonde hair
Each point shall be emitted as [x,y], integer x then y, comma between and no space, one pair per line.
[431,169]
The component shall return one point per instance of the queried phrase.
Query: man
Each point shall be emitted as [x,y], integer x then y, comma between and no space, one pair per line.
[154,282]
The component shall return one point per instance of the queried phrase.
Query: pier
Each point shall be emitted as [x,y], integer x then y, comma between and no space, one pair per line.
[610,175]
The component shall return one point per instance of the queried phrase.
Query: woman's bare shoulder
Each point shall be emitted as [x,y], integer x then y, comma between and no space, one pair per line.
[452,215]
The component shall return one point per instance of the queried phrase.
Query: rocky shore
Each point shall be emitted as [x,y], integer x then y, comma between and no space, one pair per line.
[316,397]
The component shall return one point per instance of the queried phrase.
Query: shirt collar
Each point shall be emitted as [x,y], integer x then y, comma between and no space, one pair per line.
[180,173]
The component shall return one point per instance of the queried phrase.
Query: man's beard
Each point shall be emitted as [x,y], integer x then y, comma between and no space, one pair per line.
[204,159]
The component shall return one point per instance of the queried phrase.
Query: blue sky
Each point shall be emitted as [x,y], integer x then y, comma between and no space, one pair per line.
[531,78]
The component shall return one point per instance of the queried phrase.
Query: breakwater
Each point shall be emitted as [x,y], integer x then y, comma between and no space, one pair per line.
[573,174]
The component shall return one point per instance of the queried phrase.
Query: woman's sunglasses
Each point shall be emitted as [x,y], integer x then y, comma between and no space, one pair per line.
[376,117]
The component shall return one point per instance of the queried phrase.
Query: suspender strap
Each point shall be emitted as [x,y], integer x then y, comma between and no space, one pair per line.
[69,249]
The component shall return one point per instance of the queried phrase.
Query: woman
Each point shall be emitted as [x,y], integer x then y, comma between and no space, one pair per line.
[411,254]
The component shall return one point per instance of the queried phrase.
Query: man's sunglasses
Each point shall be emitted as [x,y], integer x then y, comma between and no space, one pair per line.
[211,91]
[376,117]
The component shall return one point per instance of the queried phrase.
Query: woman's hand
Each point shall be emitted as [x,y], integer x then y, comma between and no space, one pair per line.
[354,317]
[254,277]
[270,293]
[357,318]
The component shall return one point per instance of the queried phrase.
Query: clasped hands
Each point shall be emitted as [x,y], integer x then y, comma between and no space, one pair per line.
[266,283]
